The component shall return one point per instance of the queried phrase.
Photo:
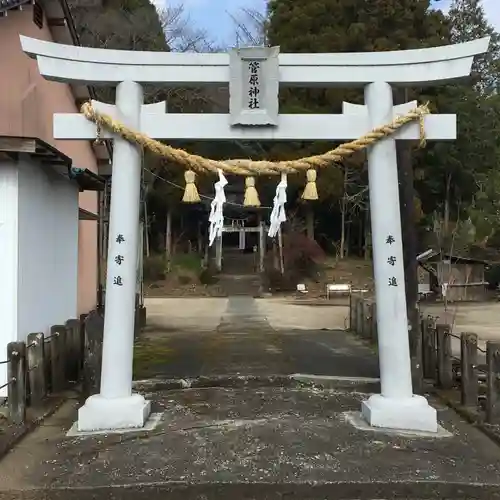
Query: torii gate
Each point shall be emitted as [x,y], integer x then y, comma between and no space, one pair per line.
[116,407]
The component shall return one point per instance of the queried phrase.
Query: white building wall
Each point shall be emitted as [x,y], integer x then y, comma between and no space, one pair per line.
[8,261]
[44,218]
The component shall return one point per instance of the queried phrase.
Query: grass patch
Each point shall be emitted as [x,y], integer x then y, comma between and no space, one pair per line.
[190,262]
[185,269]
[149,354]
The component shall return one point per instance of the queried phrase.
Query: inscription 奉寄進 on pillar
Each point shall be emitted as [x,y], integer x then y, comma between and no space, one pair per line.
[254,86]
[391,260]
[118,261]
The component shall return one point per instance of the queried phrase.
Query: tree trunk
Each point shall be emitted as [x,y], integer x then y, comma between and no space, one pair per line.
[168,239]
[276,262]
[262,245]
[310,221]
[281,256]
[347,240]
[200,240]
[218,252]
[367,235]
[446,227]
[100,245]
[146,225]
[360,236]
[343,206]
[343,232]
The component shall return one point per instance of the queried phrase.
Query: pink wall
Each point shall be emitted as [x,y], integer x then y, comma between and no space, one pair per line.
[27,103]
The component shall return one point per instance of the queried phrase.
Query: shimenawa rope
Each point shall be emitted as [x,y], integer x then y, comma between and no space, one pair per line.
[249,167]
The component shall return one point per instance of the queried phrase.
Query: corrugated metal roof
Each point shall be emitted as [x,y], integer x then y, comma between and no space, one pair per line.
[432,253]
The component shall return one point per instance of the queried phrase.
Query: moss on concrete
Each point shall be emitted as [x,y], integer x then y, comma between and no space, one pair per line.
[148,354]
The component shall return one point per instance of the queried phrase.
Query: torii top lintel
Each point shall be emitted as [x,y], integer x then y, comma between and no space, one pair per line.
[67,63]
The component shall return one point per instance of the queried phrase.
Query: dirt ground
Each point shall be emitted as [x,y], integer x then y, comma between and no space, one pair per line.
[204,314]
[358,272]
[481,318]
[186,313]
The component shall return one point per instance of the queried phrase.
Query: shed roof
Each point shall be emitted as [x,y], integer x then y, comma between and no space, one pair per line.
[433,255]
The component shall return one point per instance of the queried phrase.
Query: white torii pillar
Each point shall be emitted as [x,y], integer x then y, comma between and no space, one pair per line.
[396,407]
[116,407]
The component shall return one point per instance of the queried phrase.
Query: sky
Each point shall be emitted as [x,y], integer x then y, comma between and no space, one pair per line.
[214,15]
[491,7]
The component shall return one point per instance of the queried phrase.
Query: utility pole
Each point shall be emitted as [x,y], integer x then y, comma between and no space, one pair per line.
[409,234]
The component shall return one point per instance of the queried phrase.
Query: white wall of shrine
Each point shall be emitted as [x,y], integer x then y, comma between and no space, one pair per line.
[38,251]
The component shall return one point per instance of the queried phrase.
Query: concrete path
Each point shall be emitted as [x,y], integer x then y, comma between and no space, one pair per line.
[243,314]
[252,443]
[244,342]
[236,424]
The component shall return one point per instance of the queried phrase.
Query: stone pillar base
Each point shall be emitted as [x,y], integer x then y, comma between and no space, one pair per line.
[411,414]
[103,414]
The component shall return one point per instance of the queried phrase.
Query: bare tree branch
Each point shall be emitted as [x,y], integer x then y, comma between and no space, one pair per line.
[251,27]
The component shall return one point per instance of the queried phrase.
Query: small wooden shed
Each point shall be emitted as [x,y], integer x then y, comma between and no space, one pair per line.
[453,277]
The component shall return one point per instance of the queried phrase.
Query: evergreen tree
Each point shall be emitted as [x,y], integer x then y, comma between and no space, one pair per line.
[344,26]
[354,25]
[468,22]
[473,159]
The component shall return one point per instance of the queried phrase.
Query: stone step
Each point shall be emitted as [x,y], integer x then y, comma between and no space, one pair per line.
[237,262]
[184,490]
[250,285]
[317,490]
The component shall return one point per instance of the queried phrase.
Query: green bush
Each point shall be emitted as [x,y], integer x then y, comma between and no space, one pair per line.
[208,277]
[184,279]
[190,262]
[277,282]
[154,268]
[492,276]
[185,268]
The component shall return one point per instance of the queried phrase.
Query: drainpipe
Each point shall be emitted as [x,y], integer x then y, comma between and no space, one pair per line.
[100,240]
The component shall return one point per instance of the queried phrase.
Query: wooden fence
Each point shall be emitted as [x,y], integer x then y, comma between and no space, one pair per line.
[49,364]
[43,365]
[363,317]
[476,379]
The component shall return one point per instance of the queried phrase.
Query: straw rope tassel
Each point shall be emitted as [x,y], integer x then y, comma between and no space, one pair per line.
[310,191]
[251,194]
[190,192]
